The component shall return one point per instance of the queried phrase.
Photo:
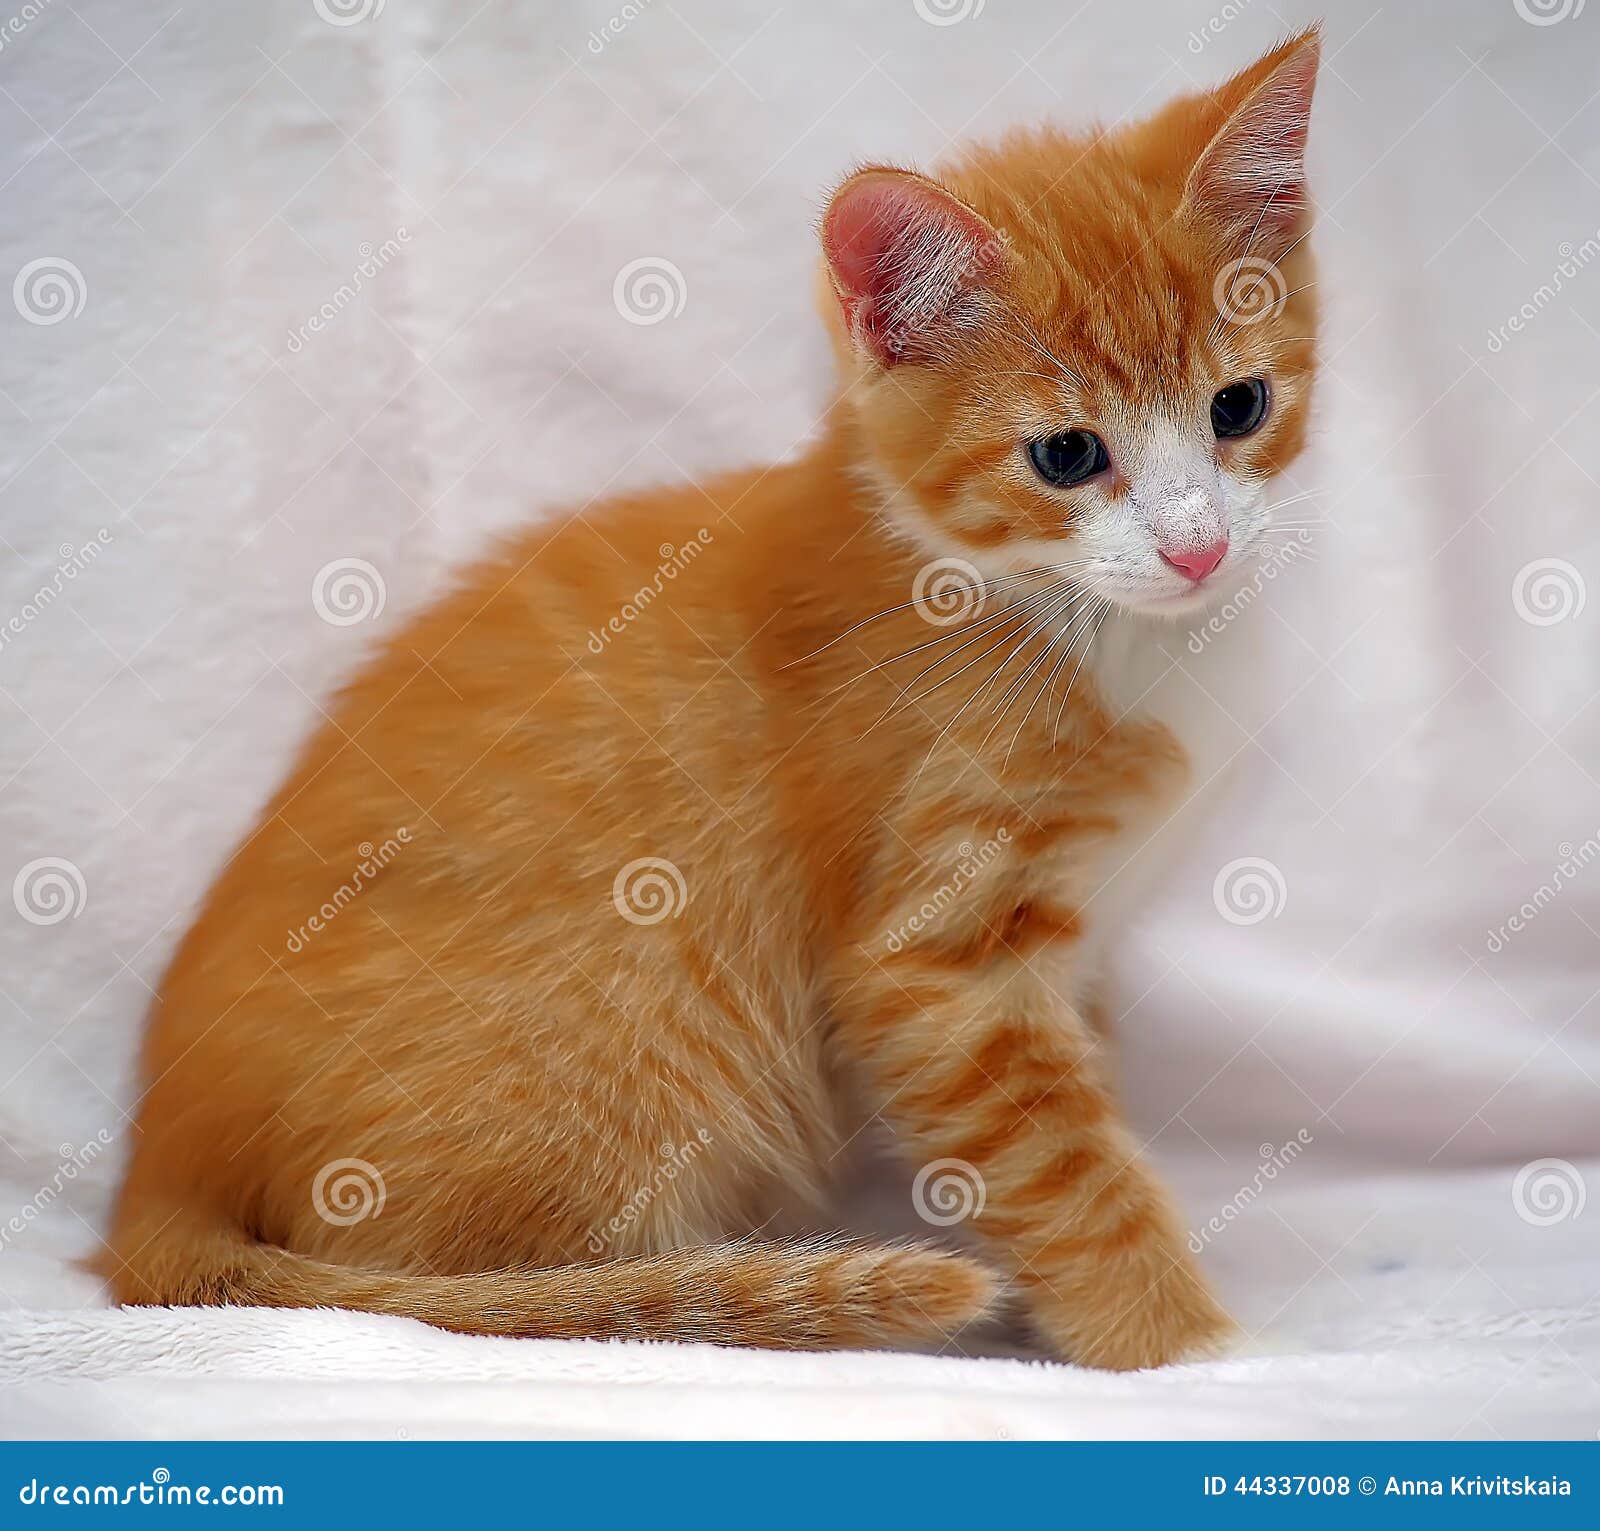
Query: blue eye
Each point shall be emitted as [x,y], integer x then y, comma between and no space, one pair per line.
[1239,408]
[1069,457]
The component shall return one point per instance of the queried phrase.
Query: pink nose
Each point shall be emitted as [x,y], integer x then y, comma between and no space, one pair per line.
[1196,565]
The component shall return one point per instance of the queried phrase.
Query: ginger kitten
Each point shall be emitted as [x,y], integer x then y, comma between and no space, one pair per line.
[677,901]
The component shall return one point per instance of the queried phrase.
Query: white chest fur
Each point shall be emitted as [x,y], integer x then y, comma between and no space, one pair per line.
[1183,677]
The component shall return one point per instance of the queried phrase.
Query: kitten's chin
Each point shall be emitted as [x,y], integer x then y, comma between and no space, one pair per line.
[1173,605]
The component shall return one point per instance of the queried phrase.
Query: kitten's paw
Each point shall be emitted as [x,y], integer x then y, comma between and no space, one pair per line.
[1173,1320]
[1138,1346]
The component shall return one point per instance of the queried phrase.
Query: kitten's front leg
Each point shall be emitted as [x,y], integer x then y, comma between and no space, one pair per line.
[978,1062]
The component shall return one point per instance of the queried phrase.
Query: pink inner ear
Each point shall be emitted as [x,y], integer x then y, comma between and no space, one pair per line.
[862,227]
[900,250]
[1252,174]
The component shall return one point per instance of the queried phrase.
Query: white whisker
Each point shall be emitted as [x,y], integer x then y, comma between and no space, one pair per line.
[1066,695]
[1017,615]
[1017,685]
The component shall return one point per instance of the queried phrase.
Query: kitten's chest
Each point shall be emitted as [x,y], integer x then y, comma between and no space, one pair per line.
[1055,846]
[1150,675]
[1156,673]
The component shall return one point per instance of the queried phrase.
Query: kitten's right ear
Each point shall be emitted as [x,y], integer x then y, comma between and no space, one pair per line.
[906,260]
[1251,177]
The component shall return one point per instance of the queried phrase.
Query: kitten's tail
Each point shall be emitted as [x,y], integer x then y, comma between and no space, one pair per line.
[807,1295]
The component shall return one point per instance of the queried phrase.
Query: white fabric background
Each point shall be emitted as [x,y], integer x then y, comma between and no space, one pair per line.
[1413,755]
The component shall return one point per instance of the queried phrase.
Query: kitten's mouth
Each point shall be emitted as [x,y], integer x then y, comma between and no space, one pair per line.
[1172,602]
[1193,598]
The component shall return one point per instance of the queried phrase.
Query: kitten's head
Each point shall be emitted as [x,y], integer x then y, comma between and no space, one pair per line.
[1091,352]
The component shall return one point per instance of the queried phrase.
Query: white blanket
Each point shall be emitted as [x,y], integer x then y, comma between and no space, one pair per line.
[289,292]
[1404,1307]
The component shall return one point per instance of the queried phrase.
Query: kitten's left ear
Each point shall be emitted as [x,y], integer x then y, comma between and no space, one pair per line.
[1251,177]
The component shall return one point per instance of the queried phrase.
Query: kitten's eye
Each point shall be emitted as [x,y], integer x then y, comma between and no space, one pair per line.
[1069,457]
[1239,408]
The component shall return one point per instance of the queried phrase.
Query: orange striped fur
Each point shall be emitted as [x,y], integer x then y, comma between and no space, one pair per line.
[518,1083]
